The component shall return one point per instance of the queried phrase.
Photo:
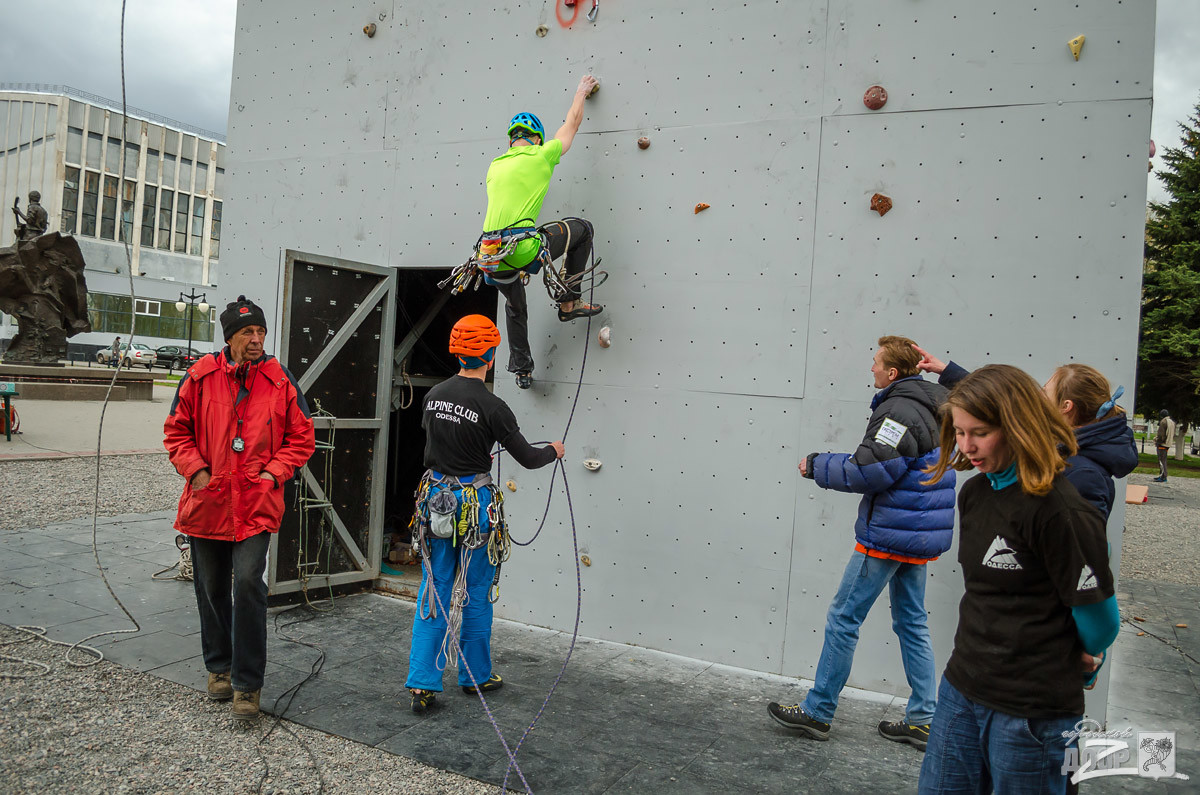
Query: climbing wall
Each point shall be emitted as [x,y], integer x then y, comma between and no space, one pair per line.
[742,334]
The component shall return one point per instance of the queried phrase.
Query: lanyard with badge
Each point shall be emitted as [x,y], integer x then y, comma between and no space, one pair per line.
[240,373]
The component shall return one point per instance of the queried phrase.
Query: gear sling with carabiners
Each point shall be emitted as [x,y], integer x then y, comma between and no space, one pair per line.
[450,508]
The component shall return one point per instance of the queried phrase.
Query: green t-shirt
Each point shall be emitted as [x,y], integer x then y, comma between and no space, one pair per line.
[516,185]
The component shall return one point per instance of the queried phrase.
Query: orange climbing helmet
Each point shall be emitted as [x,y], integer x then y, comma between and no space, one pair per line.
[473,340]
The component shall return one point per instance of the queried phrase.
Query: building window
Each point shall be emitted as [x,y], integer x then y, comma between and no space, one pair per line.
[168,177]
[91,197]
[151,318]
[152,166]
[165,200]
[149,207]
[130,193]
[219,182]
[70,202]
[112,157]
[181,222]
[74,145]
[214,250]
[133,153]
[95,144]
[201,178]
[197,226]
[185,173]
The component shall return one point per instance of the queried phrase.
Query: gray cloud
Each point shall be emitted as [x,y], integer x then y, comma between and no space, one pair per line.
[178,53]
[1176,77]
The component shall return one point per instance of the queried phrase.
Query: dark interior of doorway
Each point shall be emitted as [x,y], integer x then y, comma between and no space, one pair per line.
[428,364]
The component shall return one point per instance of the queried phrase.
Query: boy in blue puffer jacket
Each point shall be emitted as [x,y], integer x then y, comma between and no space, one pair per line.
[902,525]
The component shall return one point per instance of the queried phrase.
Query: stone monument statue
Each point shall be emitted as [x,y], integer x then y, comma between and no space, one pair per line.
[43,287]
[33,222]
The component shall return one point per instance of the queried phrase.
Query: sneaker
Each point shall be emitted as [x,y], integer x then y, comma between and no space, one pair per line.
[794,717]
[581,310]
[524,380]
[219,687]
[422,700]
[1160,480]
[245,704]
[901,732]
[494,682]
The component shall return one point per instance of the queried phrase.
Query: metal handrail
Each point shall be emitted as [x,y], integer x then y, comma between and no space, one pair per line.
[95,99]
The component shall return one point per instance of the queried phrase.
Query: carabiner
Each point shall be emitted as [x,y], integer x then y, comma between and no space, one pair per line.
[591,15]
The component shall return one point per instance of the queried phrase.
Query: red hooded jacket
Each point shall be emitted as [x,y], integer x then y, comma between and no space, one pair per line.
[278,434]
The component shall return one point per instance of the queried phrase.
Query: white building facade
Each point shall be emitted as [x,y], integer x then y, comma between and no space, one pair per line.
[167,204]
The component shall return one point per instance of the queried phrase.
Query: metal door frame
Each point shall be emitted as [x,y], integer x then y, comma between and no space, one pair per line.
[368,561]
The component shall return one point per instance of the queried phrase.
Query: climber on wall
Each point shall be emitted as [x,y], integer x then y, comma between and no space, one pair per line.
[516,185]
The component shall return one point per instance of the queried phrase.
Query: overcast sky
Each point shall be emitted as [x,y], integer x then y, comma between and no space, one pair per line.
[179,55]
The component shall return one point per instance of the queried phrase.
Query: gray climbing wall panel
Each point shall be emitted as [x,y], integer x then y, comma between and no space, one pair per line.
[742,334]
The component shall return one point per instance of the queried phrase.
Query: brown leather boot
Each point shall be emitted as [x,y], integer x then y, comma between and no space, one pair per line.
[245,704]
[219,687]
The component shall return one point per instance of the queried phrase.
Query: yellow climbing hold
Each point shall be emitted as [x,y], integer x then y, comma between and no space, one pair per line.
[1076,45]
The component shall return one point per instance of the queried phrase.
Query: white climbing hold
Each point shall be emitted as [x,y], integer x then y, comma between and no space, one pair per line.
[604,337]
[592,464]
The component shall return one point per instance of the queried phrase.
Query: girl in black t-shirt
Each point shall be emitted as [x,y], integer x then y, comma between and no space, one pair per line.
[1039,593]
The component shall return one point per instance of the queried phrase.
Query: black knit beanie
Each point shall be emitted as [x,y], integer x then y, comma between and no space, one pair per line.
[241,313]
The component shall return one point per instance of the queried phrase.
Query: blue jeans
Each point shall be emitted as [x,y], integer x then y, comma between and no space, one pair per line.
[233,621]
[426,663]
[862,583]
[974,749]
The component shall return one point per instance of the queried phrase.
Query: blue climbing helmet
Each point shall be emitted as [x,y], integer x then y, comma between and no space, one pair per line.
[526,123]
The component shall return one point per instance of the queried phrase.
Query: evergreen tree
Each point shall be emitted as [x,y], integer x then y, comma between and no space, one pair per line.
[1169,346]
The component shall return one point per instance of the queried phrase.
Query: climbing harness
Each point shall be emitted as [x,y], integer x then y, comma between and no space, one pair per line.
[449,507]
[492,248]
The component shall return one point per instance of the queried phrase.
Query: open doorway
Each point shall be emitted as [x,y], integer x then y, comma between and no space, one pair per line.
[424,318]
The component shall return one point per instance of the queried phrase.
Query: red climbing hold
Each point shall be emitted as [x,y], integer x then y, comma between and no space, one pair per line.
[643,143]
[875,98]
[881,204]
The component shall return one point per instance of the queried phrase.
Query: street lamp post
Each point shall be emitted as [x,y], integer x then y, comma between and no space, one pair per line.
[187,302]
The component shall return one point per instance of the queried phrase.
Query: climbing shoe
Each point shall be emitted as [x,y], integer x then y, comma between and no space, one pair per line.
[422,700]
[494,682]
[245,704]
[794,717]
[219,687]
[524,380]
[580,310]
[901,732]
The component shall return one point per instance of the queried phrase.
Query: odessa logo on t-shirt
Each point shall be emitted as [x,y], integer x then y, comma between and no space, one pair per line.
[1001,556]
[1087,579]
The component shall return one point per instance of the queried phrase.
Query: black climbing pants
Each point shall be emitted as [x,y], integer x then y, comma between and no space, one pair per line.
[516,309]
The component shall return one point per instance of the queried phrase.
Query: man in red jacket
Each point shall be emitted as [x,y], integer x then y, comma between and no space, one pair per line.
[238,428]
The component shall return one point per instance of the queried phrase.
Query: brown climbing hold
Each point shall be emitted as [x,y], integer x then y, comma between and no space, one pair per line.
[875,97]
[595,88]
[585,560]
[369,29]
[643,143]
[881,204]
[541,31]
[701,207]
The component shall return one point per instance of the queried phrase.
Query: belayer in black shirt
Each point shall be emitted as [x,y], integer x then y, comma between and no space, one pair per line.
[1039,608]
[458,527]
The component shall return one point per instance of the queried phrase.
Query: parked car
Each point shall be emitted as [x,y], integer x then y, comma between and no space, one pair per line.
[139,354]
[177,357]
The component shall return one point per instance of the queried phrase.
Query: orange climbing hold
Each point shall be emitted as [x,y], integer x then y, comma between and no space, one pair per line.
[643,143]
[701,207]
[875,98]
[881,204]
[1076,45]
